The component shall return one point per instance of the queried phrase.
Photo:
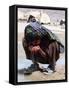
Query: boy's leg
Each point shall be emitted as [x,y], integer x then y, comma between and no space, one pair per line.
[34,66]
[52,59]
[53,54]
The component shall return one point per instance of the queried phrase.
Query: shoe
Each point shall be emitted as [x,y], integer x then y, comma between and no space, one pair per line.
[27,71]
[32,68]
[47,71]
[51,67]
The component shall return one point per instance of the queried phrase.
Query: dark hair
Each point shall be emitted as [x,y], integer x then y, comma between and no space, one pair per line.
[31,18]
[32,36]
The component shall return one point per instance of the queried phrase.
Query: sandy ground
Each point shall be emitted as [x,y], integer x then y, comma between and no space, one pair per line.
[38,76]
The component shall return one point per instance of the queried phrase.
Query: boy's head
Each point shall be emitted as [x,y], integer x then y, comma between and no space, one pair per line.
[31,18]
[33,38]
[36,42]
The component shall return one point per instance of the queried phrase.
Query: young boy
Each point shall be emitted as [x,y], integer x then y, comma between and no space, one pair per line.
[38,52]
[41,46]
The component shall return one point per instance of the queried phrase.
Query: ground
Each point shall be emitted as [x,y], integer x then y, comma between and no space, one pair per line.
[38,76]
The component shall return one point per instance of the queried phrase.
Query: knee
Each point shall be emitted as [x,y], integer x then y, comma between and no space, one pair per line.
[53,44]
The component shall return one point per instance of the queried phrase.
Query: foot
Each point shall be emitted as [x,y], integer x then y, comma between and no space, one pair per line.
[47,71]
[51,68]
[32,68]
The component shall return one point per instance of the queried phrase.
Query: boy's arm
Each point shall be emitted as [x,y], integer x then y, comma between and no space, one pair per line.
[36,49]
[30,47]
[42,52]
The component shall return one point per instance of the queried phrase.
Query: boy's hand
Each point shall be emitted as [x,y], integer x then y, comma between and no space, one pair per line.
[35,48]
